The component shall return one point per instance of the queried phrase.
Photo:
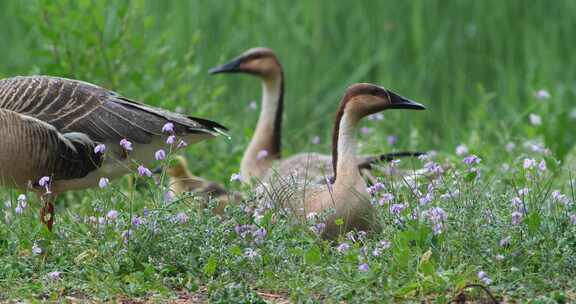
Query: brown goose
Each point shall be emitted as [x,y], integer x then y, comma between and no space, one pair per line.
[265,146]
[347,194]
[181,181]
[79,115]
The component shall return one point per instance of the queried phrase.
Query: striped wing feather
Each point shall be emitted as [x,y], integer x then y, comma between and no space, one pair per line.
[103,115]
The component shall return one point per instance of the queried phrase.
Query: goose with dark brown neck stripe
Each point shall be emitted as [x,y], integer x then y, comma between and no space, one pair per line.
[265,146]
[347,195]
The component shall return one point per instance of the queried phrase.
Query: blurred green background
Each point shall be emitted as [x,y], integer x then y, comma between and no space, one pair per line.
[475,64]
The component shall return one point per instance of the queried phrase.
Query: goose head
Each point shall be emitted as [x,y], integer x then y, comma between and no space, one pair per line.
[261,62]
[363,99]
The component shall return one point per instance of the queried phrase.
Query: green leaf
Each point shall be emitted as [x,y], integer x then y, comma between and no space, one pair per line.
[313,256]
[533,221]
[339,222]
[211,265]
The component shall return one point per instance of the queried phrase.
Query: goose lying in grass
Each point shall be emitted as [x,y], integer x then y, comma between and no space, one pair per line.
[182,181]
[55,132]
[346,194]
[265,147]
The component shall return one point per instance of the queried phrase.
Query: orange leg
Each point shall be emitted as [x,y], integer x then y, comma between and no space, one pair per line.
[47,212]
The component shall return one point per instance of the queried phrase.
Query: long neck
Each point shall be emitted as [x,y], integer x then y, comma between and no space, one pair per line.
[344,148]
[267,136]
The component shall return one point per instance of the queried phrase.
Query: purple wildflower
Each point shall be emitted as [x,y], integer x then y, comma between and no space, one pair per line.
[461,150]
[529,163]
[318,228]
[124,143]
[386,198]
[535,119]
[343,248]
[235,177]
[426,199]
[363,267]
[100,149]
[397,208]
[181,144]
[484,278]
[433,168]
[365,130]
[471,160]
[143,171]
[160,155]
[112,215]
[103,182]
[505,242]
[542,166]
[510,147]
[44,181]
[54,275]
[182,218]
[250,253]
[542,94]
[19,210]
[316,140]
[516,217]
[392,139]
[168,128]
[36,250]
[22,200]
[137,221]
[573,219]
[171,139]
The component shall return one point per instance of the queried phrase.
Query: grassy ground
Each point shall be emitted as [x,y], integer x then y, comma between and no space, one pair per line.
[477,66]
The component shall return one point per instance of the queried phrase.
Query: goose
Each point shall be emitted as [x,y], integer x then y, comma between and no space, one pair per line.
[181,181]
[265,146]
[346,194]
[59,114]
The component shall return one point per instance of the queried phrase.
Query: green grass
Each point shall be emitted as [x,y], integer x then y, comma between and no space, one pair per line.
[475,64]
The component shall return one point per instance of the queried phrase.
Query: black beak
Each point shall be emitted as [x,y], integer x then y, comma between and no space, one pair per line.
[399,102]
[230,67]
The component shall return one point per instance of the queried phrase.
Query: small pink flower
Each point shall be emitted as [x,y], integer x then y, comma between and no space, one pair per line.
[127,145]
